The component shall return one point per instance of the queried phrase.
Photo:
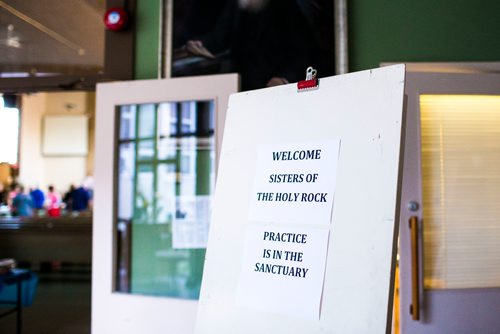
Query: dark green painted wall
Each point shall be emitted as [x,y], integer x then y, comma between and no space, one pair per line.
[381,31]
[422,30]
[147,30]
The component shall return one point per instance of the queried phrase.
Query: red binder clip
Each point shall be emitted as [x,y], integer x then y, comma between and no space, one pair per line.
[311,81]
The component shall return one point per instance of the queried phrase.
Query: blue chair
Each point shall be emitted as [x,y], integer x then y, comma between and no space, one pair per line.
[8,292]
[17,290]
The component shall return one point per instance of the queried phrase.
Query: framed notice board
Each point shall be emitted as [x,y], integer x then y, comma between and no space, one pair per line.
[304,224]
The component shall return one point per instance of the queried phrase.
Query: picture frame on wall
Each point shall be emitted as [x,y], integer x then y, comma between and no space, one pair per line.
[267,42]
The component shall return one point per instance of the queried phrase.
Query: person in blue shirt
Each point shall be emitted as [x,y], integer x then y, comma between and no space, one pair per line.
[38,199]
[81,199]
[22,204]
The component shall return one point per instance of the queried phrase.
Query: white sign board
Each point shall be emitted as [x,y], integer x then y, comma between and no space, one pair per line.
[303,230]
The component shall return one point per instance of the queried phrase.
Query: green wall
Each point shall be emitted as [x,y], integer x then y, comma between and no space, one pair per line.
[380,31]
[147,28]
[422,30]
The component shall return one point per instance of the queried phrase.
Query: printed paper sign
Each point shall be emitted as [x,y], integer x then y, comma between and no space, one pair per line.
[295,183]
[191,222]
[283,270]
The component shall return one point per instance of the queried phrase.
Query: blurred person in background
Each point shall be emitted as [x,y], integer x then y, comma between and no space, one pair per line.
[81,198]
[68,198]
[53,202]
[88,184]
[38,199]
[12,193]
[4,194]
[22,205]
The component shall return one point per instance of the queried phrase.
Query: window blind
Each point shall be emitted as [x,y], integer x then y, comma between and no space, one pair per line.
[460,151]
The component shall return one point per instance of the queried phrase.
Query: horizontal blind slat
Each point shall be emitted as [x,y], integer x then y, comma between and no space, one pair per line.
[460,149]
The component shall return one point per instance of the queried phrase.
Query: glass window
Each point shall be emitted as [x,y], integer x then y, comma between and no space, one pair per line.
[460,137]
[146,120]
[126,173]
[144,196]
[167,149]
[166,119]
[127,122]
[166,184]
[9,134]
[146,149]
[165,181]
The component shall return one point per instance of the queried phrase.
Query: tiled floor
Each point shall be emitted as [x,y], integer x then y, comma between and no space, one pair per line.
[58,308]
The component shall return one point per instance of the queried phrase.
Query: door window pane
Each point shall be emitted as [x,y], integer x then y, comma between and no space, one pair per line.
[126,173]
[127,122]
[143,213]
[167,119]
[146,120]
[460,138]
[167,148]
[169,171]
[166,184]
[146,150]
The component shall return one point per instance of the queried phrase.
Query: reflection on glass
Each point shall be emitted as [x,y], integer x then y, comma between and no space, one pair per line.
[166,185]
[146,149]
[167,148]
[143,211]
[126,173]
[127,122]
[166,119]
[147,120]
[188,118]
[167,168]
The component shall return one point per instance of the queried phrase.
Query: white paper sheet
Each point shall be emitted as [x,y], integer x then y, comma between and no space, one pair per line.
[286,275]
[295,183]
[191,222]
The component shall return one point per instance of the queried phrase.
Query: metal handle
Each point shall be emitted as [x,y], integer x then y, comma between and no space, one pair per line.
[415,294]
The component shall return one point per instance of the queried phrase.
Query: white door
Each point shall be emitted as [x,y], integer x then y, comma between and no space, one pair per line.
[450,216]
[157,143]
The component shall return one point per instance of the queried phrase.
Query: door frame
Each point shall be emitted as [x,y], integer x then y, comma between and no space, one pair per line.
[117,312]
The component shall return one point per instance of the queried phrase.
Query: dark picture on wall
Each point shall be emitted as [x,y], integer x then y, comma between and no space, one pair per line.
[269,42]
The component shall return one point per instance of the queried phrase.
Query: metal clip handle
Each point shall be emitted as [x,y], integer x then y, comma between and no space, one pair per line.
[311,81]
[311,73]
